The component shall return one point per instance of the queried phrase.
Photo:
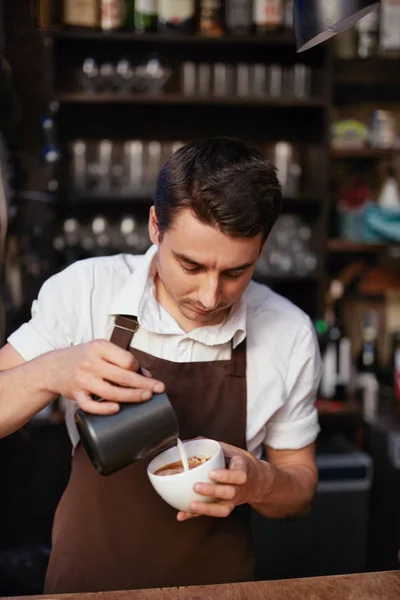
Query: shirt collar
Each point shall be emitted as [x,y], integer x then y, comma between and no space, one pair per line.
[137,298]
[129,298]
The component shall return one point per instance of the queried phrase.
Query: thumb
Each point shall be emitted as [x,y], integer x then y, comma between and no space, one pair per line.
[146,373]
[237,463]
[230,451]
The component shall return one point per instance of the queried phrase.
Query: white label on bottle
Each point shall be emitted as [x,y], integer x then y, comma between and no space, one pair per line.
[176,11]
[82,13]
[390,25]
[146,7]
[268,12]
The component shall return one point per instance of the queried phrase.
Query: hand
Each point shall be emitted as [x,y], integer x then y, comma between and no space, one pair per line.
[102,369]
[238,484]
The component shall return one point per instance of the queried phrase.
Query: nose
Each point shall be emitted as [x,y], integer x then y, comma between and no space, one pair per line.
[208,293]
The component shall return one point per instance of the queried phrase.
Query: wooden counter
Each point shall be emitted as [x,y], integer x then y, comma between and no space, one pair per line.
[368,586]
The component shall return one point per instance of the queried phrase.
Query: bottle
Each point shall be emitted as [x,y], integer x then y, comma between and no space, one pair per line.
[368,357]
[176,16]
[129,14]
[345,44]
[79,170]
[81,13]
[321,329]
[389,42]
[389,197]
[288,14]
[268,15]
[238,17]
[145,16]
[47,14]
[211,18]
[112,15]
[396,367]
[368,35]
[336,376]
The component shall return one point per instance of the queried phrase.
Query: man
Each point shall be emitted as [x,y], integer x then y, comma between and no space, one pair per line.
[239,363]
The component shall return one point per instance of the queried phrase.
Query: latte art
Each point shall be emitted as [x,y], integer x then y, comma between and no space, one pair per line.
[177,467]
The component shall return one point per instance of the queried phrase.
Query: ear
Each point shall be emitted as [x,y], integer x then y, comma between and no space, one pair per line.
[153,227]
[263,246]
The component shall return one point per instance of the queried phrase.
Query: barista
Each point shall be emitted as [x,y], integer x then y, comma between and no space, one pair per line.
[240,365]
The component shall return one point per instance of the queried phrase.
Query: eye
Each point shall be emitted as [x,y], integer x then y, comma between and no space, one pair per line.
[234,275]
[189,269]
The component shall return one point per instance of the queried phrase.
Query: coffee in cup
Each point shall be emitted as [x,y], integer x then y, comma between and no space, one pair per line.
[177,467]
[177,488]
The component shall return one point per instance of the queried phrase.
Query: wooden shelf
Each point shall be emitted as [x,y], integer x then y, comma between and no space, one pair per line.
[176,98]
[284,38]
[366,72]
[116,197]
[109,198]
[345,246]
[363,153]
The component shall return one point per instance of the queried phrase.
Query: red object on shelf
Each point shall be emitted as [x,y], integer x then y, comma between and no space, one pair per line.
[337,407]
[355,195]
[329,405]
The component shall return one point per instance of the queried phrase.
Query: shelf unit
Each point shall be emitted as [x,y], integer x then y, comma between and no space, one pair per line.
[283,38]
[360,86]
[261,121]
[347,247]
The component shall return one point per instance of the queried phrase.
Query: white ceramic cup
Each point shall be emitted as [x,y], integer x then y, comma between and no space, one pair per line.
[177,490]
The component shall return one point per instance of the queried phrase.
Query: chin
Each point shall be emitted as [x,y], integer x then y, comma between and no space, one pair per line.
[192,315]
[195,317]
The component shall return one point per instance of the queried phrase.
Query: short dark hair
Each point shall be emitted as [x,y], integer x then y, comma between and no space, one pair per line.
[225,183]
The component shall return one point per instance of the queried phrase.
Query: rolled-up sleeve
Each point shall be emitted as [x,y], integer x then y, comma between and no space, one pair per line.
[54,318]
[295,424]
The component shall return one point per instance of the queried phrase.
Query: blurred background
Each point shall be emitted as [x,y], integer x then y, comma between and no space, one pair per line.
[94,97]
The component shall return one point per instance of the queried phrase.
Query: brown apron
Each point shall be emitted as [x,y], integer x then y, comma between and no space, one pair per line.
[116,533]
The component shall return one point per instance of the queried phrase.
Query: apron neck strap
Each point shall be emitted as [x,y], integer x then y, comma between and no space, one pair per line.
[126,326]
[124,329]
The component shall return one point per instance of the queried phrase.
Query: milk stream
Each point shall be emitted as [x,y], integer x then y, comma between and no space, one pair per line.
[183,455]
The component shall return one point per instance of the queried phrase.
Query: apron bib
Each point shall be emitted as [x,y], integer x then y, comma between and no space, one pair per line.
[116,533]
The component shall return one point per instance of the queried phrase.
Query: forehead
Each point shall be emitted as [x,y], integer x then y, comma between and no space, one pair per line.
[209,246]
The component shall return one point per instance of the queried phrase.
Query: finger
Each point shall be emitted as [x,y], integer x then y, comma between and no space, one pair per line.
[231,476]
[125,377]
[222,492]
[146,373]
[87,404]
[113,393]
[114,354]
[185,516]
[230,450]
[212,509]
[238,463]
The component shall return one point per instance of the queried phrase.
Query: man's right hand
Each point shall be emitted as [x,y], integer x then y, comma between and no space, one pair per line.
[100,368]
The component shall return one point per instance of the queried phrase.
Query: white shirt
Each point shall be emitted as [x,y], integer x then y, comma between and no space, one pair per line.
[283,361]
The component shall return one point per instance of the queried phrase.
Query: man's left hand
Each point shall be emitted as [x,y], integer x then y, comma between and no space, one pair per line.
[233,486]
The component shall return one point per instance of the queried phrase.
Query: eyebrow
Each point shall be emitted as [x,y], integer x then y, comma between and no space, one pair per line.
[196,264]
